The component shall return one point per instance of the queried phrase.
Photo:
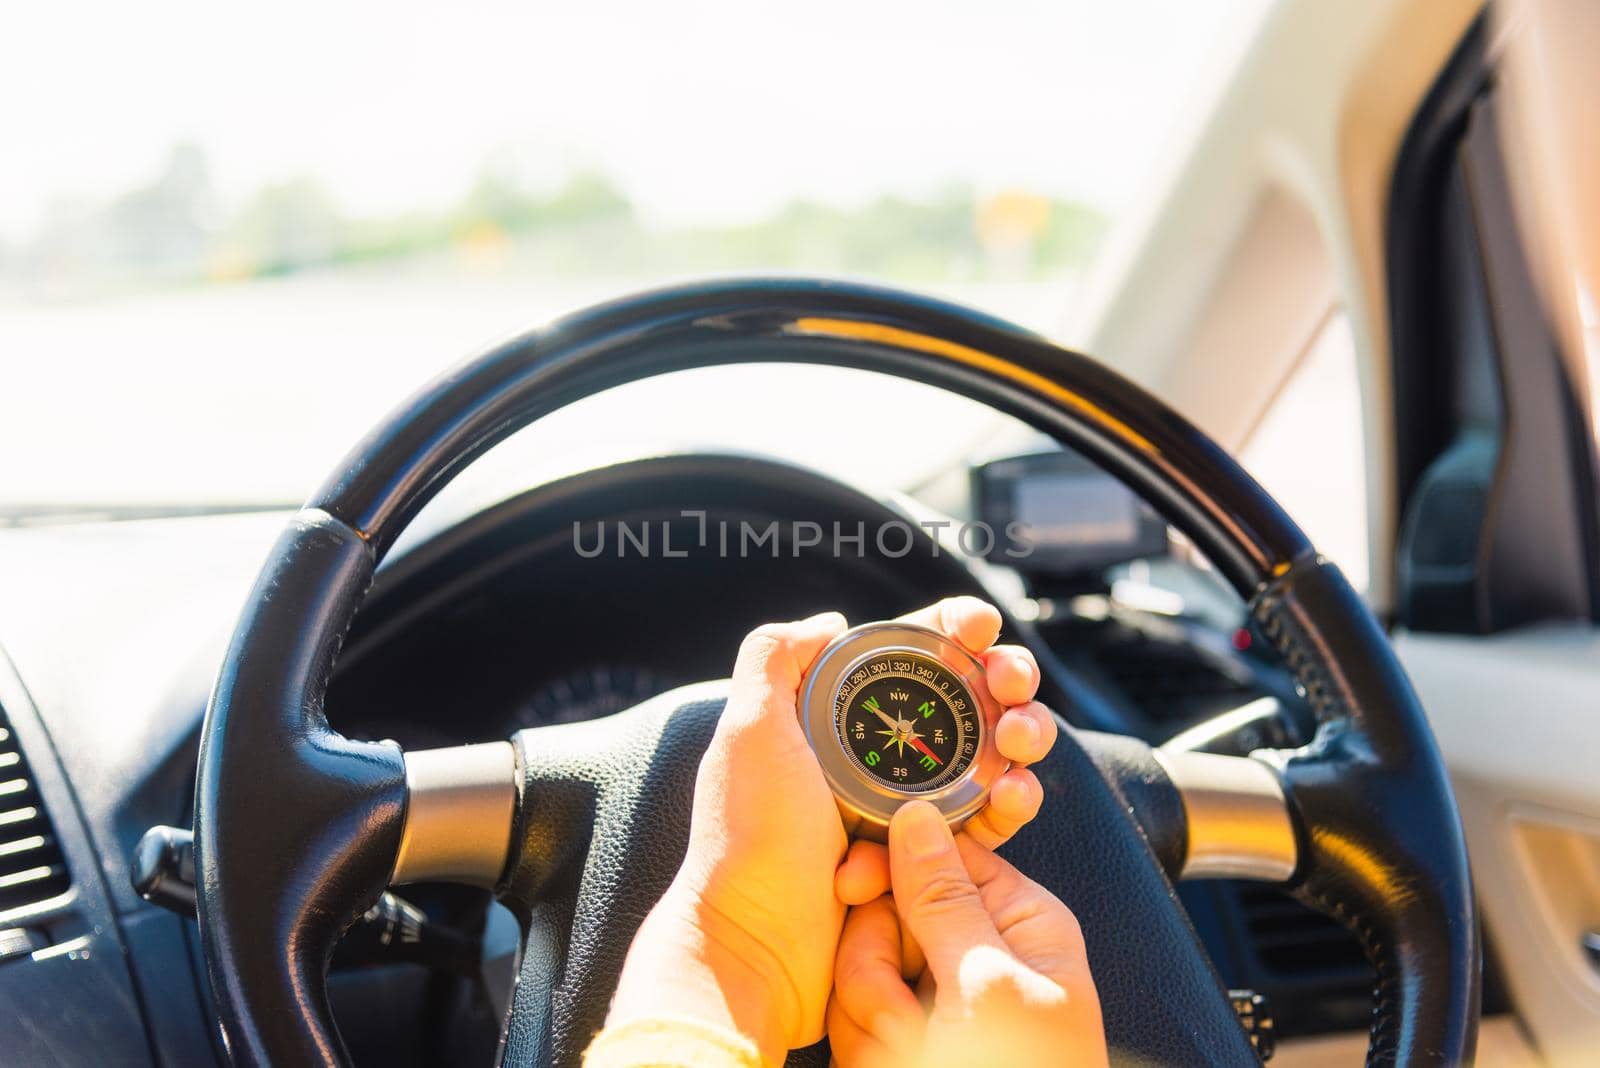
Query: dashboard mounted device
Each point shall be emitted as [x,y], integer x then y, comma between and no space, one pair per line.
[1058,514]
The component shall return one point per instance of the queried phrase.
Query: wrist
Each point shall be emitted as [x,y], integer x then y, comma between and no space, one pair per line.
[691,961]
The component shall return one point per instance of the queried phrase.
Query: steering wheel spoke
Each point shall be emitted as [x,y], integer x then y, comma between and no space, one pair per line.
[296,826]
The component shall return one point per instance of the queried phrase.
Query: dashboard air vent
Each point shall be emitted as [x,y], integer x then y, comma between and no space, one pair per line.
[1292,938]
[1170,681]
[32,870]
[1313,969]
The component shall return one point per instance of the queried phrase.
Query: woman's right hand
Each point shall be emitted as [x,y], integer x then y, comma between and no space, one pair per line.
[969,962]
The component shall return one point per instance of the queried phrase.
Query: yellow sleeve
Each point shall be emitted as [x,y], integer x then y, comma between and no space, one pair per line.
[670,1042]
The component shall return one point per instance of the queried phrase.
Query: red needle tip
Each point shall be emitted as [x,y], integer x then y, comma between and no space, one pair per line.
[917,744]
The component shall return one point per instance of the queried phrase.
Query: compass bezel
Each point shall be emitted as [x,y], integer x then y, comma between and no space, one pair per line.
[865,801]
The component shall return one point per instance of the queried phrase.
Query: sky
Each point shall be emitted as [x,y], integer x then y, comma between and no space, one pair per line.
[705,111]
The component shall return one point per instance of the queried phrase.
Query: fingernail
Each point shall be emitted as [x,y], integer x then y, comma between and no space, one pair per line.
[1031,729]
[925,831]
[826,617]
[1017,794]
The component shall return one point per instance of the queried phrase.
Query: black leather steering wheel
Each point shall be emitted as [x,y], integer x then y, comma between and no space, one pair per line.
[298,829]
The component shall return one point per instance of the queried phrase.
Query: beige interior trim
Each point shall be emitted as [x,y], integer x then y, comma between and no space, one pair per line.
[1501,1044]
[1385,92]
[1515,716]
[1561,853]
[1550,87]
[1276,292]
[1314,116]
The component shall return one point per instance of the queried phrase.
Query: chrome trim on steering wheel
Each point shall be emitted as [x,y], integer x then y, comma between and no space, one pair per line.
[1239,826]
[459,804]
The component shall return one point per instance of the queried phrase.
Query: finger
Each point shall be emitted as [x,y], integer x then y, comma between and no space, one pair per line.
[863,875]
[867,983]
[772,660]
[1021,907]
[970,621]
[1025,733]
[984,865]
[852,1046]
[1013,674]
[1014,801]
[935,895]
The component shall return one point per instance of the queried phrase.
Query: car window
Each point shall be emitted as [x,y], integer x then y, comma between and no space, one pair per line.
[1308,451]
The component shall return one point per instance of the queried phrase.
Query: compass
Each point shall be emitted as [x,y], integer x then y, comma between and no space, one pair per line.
[895,712]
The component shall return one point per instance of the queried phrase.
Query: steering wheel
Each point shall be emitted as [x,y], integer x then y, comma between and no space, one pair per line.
[579,827]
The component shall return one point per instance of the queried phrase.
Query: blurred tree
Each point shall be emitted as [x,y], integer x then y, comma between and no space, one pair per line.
[287,226]
[498,198]
[1071,236]
[502,198]
[171,230]
[587,197]
[165,228]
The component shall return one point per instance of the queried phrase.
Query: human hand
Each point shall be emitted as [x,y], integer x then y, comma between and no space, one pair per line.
[745,936]
[970,962]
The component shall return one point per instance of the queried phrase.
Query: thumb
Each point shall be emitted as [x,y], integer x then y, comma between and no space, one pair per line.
[772,660]
[934,893]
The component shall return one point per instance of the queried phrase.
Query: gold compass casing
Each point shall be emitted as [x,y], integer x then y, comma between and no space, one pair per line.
[865,801]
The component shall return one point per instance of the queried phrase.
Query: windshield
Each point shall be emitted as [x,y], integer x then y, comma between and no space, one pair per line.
[229,243]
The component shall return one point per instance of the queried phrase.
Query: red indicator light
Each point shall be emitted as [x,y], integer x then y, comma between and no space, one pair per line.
[1241,639]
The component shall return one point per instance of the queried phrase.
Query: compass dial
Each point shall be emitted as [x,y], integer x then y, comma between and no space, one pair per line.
[896,711]
[907,720]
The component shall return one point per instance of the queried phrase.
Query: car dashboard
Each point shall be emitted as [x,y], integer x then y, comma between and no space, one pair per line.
[112,631]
